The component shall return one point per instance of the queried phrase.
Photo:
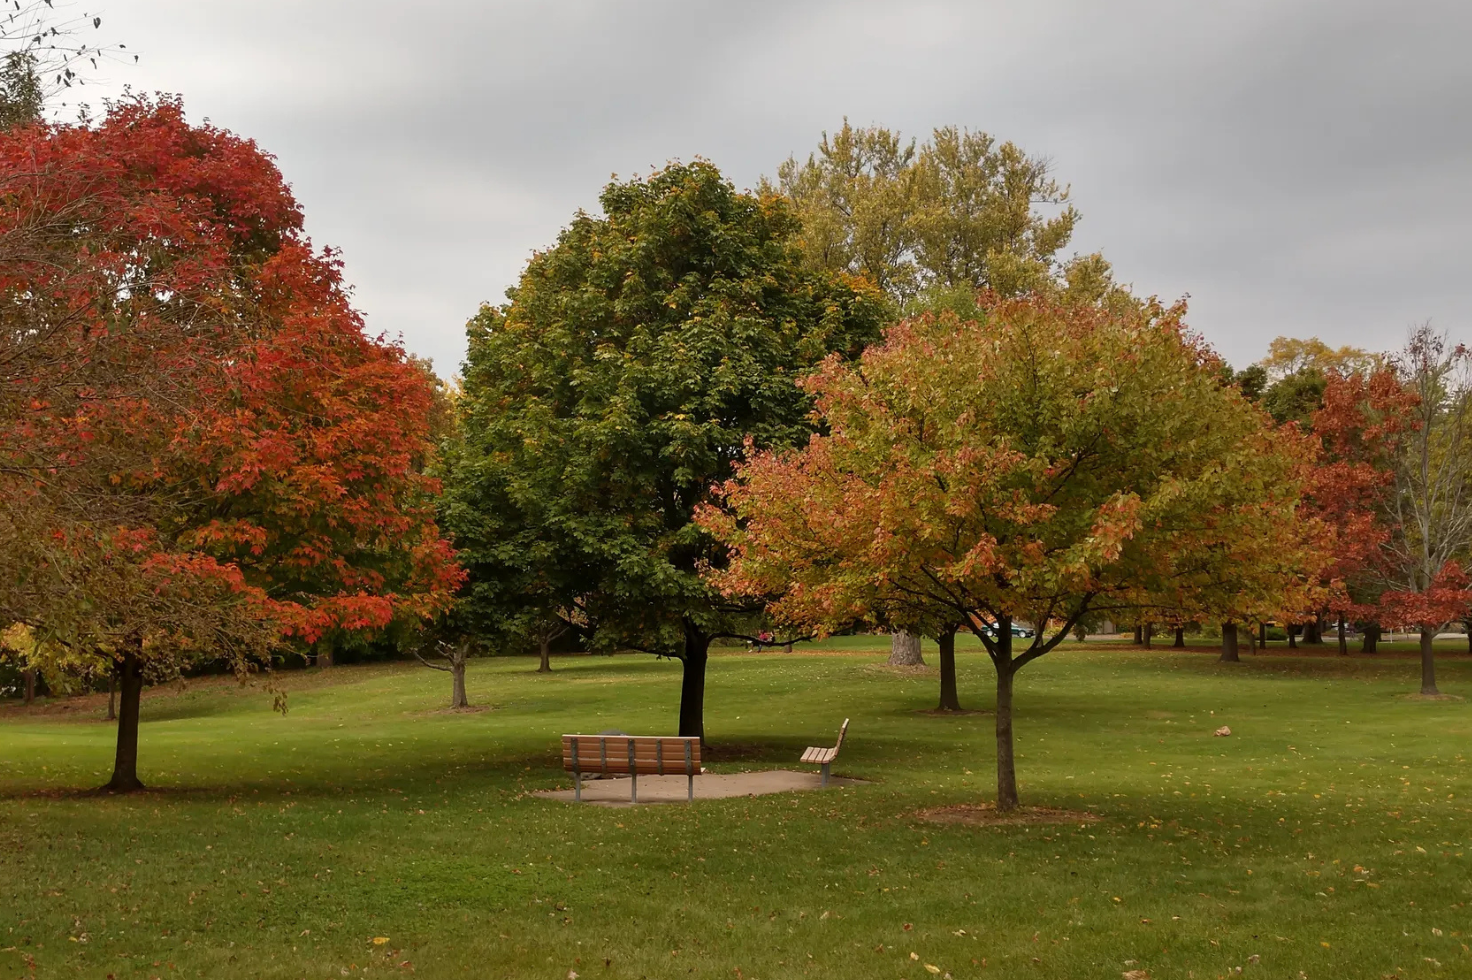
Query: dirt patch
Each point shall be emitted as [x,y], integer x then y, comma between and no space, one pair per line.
[902,670]
[1430,697]
[938,713]
[987,815]
[617,791]
[473,709]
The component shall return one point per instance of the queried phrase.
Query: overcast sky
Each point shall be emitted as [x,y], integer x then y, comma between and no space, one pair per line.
[1298,167]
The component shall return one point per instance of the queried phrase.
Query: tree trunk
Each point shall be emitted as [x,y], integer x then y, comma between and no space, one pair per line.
[1467,625]
[1372,637]
[1262,636]
[949,700]
[457,671]
[1343,642]
[112,694]
[1006,764]
[30,676]
[1292,632]
[692,683]
[1139,636]
[545,667]
[904,650]
[1229,644]
[1180,640]
[1146,633]
[324,657]
[125,766]
[1312,634]
[1428,662]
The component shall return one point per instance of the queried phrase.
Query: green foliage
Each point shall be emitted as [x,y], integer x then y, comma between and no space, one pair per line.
[621,381]
[21,95]
[1252,380]
[1295,397]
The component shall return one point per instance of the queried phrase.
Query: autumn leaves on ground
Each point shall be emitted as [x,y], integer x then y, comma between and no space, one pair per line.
[1328,834]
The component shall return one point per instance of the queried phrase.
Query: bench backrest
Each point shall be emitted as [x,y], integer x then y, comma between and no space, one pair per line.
[645,755]
[841,730]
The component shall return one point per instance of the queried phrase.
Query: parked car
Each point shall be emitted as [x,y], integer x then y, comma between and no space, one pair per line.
[1018,631]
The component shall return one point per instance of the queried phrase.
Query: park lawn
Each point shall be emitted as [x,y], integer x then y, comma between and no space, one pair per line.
[1328,836]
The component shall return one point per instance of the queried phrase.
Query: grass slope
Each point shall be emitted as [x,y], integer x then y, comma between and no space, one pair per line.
[1327,838]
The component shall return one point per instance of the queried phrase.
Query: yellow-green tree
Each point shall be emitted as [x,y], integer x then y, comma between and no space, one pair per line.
[959,214]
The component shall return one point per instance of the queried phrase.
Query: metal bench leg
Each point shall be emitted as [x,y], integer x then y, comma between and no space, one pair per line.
[825,774]
[689,787]
[633,787]
[577,786]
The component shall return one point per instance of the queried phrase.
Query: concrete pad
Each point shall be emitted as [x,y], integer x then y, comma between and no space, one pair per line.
[708,786]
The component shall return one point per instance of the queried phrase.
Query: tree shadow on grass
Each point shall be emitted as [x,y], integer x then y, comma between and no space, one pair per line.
[403,778]
[1276,665]
[785,750]
[397,781]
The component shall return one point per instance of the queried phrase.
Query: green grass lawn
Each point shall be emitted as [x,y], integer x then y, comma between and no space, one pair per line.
[1328,837]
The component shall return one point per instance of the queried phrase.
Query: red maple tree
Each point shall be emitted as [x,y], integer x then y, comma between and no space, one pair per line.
[1360,427]
[203,451]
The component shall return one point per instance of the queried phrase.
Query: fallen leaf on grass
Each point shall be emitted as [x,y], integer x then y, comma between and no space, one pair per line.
[379,940]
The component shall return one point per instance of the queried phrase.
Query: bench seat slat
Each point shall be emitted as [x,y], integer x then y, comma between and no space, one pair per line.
[651,755]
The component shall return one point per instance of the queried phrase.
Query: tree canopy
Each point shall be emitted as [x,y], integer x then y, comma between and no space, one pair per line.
[202,453]
[959,214]
[1430,520]
[1039,463]
[626,375]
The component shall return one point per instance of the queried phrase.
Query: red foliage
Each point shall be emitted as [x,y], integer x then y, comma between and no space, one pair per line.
[1360,426]
[1445,600]
[186,359]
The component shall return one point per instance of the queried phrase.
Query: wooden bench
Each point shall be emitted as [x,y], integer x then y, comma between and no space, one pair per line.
[631,755]
[822,756]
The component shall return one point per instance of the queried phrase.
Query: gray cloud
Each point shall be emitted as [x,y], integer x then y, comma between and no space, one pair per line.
[1297,167]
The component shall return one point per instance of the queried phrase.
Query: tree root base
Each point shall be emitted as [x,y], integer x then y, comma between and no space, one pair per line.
[987,815]
[950,712]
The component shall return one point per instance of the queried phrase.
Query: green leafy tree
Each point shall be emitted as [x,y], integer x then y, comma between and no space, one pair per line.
[21,95]
[527,574]
[624,377]
[1295,397]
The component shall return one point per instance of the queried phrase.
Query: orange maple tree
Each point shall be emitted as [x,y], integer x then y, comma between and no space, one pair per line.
[1038,464]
